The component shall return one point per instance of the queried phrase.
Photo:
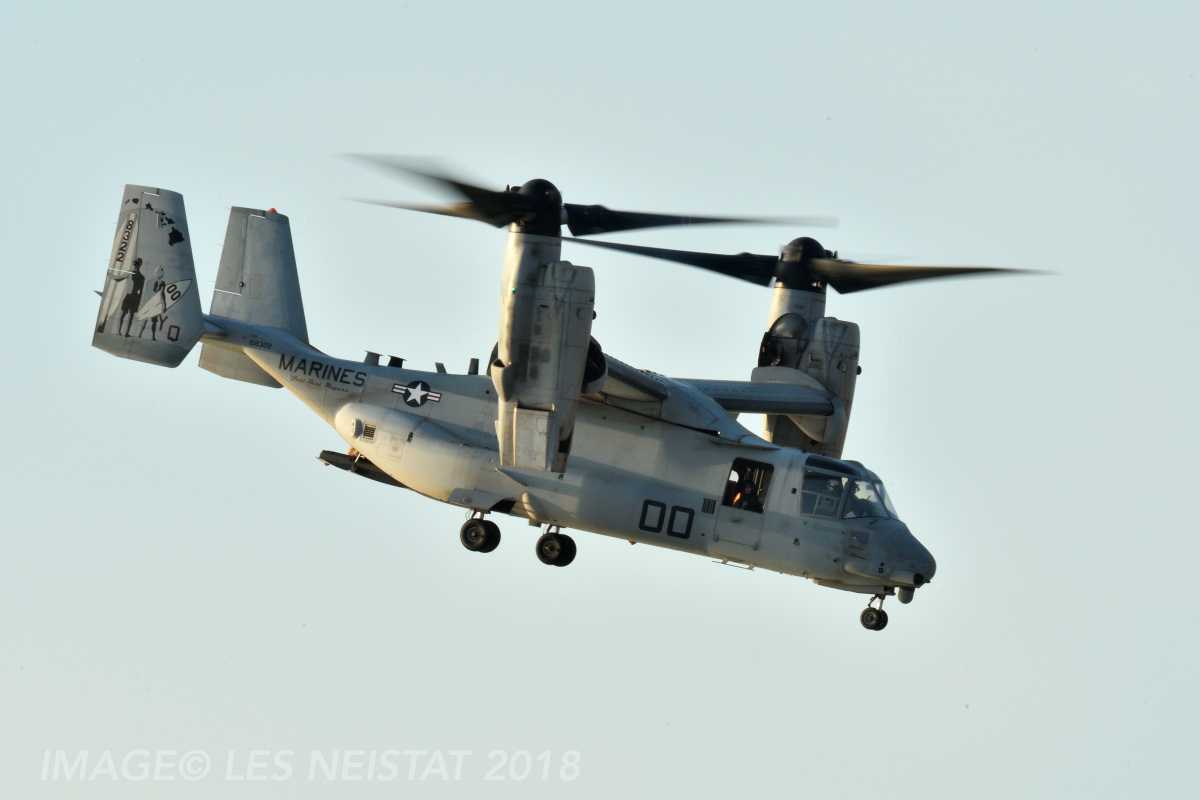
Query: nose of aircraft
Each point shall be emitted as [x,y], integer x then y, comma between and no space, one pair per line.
[918,558]
[923,561]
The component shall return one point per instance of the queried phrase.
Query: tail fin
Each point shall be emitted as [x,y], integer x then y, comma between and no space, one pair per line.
[150,307]
[256,283]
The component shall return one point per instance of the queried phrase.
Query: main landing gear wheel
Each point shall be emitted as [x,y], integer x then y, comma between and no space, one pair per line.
[556,549]
[493,537]
[480,535]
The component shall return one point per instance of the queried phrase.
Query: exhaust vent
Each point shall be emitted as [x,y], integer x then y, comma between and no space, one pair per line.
[369,433]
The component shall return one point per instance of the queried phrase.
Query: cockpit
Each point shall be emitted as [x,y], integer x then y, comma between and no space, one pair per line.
[879,550]
[832,488]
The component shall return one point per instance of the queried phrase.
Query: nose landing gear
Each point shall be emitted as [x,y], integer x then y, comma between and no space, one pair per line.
[555,548]
[874,619]
[480,535]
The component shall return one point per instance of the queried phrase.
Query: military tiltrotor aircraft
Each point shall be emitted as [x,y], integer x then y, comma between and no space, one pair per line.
[556,431]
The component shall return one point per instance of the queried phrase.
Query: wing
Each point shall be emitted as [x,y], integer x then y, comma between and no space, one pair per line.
[632,383]
[760,397]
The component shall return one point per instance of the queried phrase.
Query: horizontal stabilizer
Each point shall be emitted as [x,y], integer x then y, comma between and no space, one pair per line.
[757,397]
[359,466]
[235,365]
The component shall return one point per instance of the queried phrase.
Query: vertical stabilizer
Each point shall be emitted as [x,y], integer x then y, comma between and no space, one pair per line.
[256,283]
[150,307]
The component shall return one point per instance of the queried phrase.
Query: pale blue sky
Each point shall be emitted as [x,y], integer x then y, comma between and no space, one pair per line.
[176,571]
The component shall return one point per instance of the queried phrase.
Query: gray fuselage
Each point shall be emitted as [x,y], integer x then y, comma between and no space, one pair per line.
[630,475]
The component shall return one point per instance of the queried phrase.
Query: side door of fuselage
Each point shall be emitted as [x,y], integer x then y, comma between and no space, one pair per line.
[740,513]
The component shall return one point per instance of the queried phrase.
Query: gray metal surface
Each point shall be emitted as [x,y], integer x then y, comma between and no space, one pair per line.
[256,282]
[150,307]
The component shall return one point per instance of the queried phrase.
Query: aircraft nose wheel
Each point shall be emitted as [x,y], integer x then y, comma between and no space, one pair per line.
[480,535]
[874,619]
[556,549]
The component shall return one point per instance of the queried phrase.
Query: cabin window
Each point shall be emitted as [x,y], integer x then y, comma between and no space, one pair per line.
[821,494]
[747,486]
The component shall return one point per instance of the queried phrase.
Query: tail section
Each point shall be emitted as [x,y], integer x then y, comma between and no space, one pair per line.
[150,307]
[256,283]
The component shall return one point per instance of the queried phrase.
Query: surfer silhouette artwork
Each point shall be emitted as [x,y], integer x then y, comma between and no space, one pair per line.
[153,311]
[132,282]
[133,299]
[160,298]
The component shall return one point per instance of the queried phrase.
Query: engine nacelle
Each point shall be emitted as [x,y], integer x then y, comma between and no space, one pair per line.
[823,354]
[542,361]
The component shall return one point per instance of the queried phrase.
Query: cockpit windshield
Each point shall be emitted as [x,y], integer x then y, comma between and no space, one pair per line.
[824,495]
[863,501]
[887,501]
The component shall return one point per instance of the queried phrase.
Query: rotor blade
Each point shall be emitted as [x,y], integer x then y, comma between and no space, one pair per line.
[588,220]
[745,266]
[503,208]
[409,167]
[486,205]
[463,210]
[848,276]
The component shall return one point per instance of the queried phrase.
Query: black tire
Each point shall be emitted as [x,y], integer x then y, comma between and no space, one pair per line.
[882,620]
[870,618]
[473,535]
[493,537]
[568,551]
[549,548]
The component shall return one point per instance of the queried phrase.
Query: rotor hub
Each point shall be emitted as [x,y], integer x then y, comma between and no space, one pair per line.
[795,265]
[546,220]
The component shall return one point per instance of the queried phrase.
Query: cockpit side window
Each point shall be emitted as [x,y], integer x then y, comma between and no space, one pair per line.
[747,485]
[887,501]
[864,501]
[821,494]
